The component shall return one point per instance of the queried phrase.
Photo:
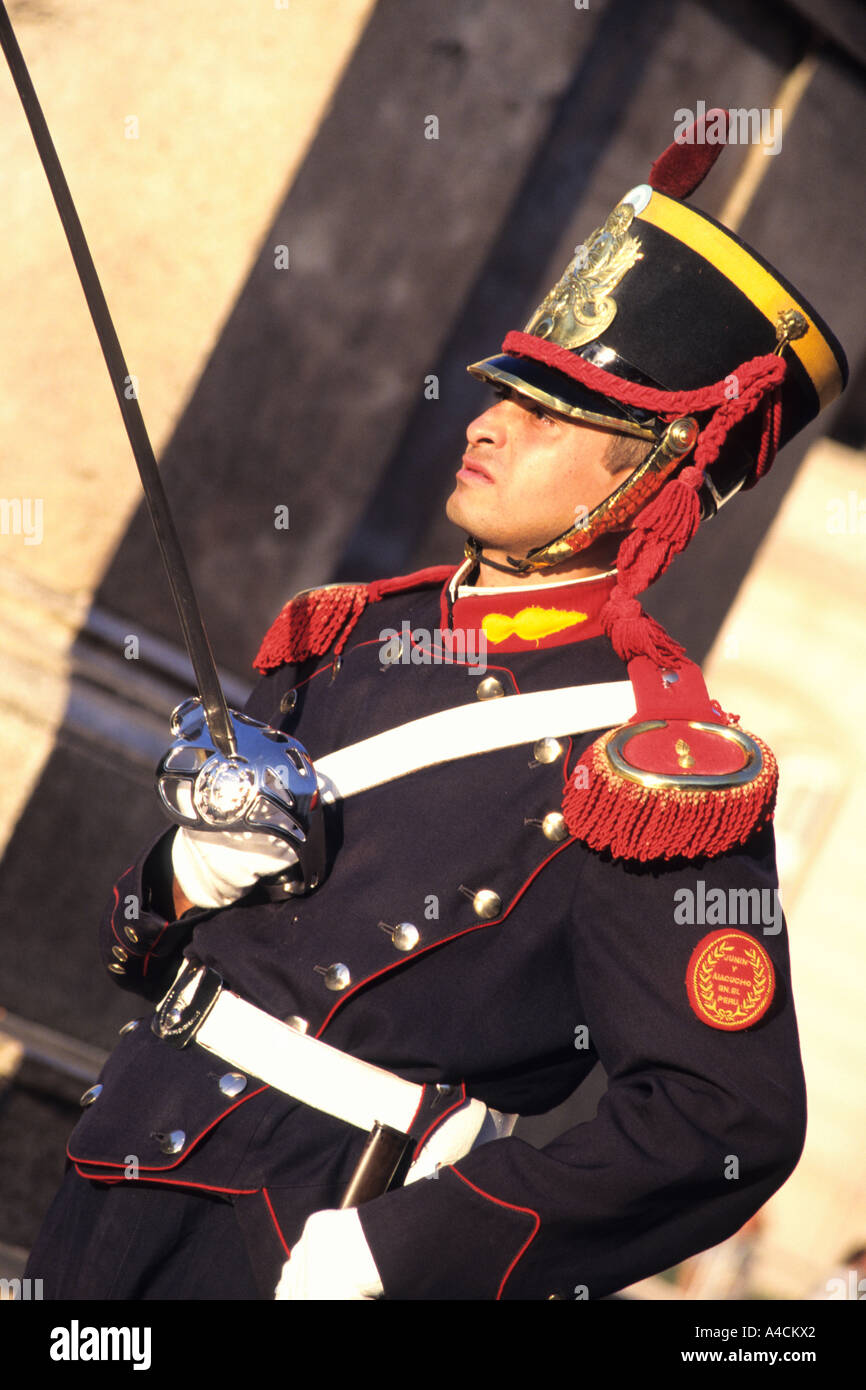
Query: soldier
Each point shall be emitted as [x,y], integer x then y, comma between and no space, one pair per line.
[566,860]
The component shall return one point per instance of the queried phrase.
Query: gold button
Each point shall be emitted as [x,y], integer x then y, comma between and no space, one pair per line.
[554,826]
[129,1027]
[90,1096]
[299,1024]
[118,969]
[547,750]
[131,934]
[487,904]
[119,953]
[490,688]
[288,701]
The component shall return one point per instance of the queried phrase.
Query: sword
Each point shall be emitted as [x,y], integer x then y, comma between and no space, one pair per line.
[194,635]
[192,786]
[224,771]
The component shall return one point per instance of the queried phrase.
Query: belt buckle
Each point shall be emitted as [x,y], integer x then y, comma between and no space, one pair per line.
[189,1000]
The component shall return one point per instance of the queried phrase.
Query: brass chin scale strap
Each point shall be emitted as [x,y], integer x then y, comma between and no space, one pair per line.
[613,514]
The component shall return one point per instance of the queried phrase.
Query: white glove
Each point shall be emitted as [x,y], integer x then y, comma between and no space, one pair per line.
[214,868]
[331,1261]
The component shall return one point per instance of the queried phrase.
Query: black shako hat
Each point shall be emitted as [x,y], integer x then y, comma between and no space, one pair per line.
[663,296]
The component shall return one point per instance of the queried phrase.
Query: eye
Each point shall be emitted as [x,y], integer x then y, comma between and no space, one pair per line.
[541,414]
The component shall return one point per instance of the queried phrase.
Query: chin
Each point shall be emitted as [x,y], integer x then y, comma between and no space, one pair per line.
[456,512]
[489,535]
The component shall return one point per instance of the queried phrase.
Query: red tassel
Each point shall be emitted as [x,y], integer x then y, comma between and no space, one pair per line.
[632,632]
[675,512]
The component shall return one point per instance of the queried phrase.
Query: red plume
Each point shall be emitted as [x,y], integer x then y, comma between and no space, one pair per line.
[685,164]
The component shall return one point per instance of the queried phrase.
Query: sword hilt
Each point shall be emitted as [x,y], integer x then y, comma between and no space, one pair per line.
[268,785]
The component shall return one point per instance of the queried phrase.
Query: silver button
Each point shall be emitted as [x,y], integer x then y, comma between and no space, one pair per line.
[119,953]
[486,904]
[299,1024]
[337,976]
[232,1083]
[404,937]
[288,702]
[554,826]
[130,1027]
[130,933]
[291,888]
[547,750]
[90,1096]
[173,1017]
[171,1143]
[392,652]
[490,688]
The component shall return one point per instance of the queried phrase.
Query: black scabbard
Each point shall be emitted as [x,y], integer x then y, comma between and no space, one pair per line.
[378,1165]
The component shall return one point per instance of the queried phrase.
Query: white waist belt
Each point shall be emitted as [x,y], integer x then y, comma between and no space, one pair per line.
[303,1067]
[327,1079]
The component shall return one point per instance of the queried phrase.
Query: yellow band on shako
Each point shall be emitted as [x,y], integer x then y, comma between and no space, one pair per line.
[759,286]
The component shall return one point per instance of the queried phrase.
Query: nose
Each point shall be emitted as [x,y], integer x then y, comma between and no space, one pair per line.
[490,427]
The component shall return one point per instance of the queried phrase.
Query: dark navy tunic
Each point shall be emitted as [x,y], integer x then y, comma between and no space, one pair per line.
[586,961]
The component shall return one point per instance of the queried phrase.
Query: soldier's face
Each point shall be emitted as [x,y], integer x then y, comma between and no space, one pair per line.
[526,472]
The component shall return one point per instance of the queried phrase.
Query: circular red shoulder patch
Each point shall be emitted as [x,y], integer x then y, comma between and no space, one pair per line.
[730,980]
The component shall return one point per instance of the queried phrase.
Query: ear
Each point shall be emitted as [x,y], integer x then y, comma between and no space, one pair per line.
[625,453]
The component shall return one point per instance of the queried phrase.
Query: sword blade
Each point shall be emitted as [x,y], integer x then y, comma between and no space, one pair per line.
[174,563]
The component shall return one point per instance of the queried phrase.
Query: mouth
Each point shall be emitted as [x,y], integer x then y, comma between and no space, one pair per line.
[473,472]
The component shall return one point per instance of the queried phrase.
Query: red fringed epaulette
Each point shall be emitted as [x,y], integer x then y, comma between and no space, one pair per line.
[318,619]
[679,779]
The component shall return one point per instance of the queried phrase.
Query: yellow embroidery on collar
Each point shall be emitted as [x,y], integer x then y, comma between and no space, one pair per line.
[531,624]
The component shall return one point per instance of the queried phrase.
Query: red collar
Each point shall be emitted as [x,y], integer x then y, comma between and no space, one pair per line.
[525,618]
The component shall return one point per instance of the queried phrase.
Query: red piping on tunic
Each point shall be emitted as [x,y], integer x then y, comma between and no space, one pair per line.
[276,1222]
[175,1182]
[440,1120]
[526,1211]
[152,1168]
[478,926]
